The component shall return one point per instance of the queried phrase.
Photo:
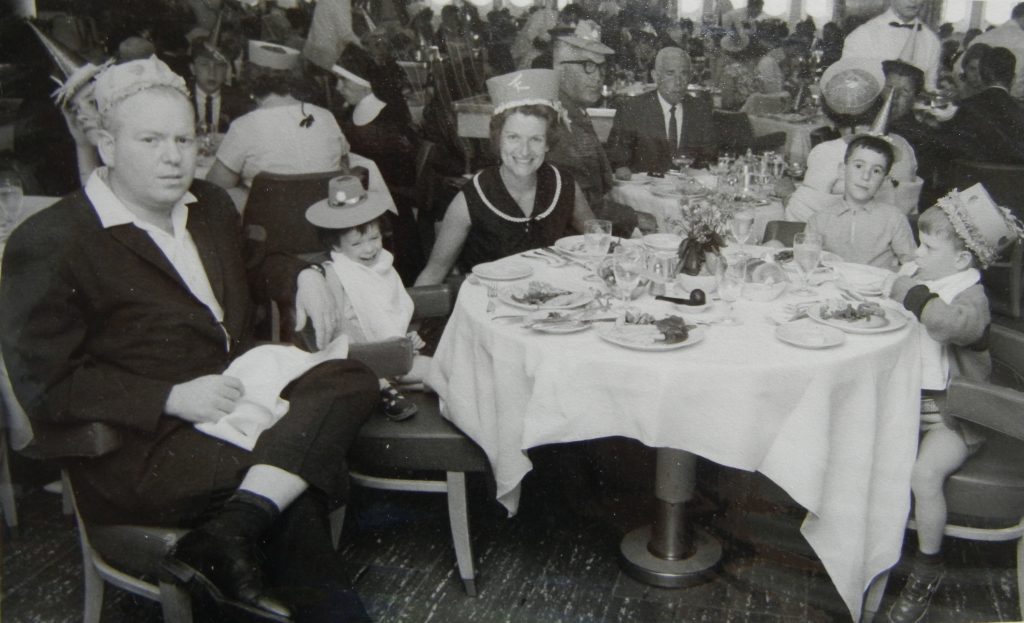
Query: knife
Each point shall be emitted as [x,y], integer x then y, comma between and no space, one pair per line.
[567,257]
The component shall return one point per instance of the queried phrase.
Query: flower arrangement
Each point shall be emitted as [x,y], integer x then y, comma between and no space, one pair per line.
[703,226]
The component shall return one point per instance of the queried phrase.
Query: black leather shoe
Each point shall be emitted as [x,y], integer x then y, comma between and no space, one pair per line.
[230,570]
[914,599]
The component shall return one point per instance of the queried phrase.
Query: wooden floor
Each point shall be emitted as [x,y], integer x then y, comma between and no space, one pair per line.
[546,564]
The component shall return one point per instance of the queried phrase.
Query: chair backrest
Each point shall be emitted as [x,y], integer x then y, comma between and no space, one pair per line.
[1007,348]
[783,231]
[733,130]
[275,214]
[1002,181]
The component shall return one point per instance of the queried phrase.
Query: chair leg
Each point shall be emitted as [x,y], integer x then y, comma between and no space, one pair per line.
[93,586]
[175,603]
[458,517]
[1020,576]
[337,519]
[873,598]
[8,505]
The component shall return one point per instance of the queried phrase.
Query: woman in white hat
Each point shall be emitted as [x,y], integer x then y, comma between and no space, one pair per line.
[523,203]
[283,135]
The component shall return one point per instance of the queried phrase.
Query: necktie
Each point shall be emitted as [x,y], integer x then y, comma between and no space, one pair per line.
[673,130]
[208,112]
[910,26]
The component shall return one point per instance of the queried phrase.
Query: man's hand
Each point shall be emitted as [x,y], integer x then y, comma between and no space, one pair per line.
[623,173]
[313,301]
[417,341]
[204,399]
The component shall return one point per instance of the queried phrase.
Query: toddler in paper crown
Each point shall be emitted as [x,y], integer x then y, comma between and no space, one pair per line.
[963,232]
[370,300]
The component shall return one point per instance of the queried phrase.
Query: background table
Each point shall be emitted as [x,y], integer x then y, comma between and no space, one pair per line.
[798,133]
[835,428]
[473,116]
[640,197]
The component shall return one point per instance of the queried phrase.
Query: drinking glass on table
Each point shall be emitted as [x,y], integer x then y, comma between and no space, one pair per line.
[11,195]
[681,161]
[741,225]
[807,254]
[730,286]
[628,267]
[597,237]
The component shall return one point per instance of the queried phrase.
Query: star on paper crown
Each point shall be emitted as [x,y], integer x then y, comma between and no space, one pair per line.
[985,227]
[122,81]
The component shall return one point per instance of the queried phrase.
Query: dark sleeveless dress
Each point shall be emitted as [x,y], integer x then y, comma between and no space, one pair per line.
[493,236]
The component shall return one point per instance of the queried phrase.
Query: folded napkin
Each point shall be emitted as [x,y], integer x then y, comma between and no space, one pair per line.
[265,371]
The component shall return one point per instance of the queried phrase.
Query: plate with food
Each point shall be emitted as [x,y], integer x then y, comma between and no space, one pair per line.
[503,270]
[556,322]
[575,245]
[635,179]
[867,317]
[805,334]
[543,295]
[642,331]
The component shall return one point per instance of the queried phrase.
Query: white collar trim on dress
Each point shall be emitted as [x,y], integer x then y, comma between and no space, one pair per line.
[521,219]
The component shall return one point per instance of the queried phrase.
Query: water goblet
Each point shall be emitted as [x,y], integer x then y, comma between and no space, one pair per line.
[627,266]
[681,161]
[730,287]
[807,254]
[741,226]
[597,237]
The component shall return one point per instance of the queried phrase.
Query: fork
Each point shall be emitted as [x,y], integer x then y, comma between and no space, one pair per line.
[550,260]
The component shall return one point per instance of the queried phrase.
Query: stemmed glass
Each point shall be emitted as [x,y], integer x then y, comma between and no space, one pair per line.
[597,237]
[627,266]
[807,253]
[730,286]
[681,161]
[741,226]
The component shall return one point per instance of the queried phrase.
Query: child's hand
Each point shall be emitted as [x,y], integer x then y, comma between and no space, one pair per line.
[417,341]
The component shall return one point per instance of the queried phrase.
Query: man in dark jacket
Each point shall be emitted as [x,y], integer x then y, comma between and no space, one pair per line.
[123,304]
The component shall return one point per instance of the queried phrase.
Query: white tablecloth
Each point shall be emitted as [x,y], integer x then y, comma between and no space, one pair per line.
[640,197]
[836,428]
[798,134]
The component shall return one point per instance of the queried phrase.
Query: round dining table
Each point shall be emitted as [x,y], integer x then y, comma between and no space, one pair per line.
[834,427]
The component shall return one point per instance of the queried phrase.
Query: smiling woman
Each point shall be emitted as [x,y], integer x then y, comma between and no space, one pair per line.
[521,204]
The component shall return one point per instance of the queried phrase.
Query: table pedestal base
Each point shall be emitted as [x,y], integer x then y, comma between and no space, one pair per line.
[667,553]
[639,563]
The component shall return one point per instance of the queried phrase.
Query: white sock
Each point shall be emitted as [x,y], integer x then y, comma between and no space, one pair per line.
[273,483]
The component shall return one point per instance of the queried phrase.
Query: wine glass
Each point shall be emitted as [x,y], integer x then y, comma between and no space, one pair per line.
[628,266]
[741,226]
[597,237]
[730,287]
[807,253]
[681,161]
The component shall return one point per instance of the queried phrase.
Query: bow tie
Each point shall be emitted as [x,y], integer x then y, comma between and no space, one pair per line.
[909,26]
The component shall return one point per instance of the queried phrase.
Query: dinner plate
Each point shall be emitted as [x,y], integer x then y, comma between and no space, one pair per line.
[574,245]
[503,270]
[638,337]
[637,179]
[809,335]
[892,321]
[573,298]
[569,326]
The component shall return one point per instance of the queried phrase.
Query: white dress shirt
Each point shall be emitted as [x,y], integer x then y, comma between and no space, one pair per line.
[178,246]
[201,96]
[876,39]
[665,107]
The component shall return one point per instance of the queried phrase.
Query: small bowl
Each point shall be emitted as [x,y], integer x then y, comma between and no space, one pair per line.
[708,283]
[763,292]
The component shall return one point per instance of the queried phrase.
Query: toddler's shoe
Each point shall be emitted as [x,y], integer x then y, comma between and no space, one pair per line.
[912,604]
[396,406]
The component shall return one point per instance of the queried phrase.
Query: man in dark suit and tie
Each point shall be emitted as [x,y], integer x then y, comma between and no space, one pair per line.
[652,127]
[123,304]
[216,103]
[989,126]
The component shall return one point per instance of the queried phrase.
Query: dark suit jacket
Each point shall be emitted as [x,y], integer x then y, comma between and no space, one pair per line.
[97,326]
[638,137]
[233,104]
[989,127]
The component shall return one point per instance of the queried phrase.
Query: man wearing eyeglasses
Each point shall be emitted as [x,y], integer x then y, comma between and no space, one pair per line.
[580,61]
[650,128]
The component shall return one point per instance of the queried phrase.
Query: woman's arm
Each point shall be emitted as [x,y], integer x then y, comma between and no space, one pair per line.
[454,230]
[581,212]
[222,176]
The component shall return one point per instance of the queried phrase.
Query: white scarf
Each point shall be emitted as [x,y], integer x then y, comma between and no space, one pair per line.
[934,354]
[381,304]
